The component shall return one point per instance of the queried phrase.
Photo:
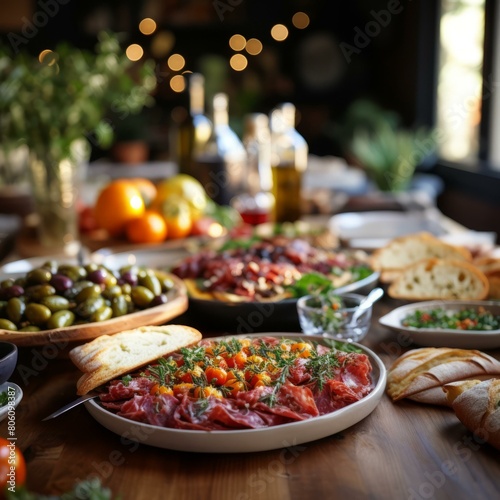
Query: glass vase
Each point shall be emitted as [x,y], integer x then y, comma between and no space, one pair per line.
[55,176]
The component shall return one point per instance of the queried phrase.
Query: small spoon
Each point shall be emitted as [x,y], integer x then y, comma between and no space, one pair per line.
[367,302]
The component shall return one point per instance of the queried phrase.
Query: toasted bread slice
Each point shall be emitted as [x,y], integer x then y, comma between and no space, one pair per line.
[111,356]
[435,279]
[401,252]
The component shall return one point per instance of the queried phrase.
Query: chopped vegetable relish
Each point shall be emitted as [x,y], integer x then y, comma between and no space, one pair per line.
[465,319]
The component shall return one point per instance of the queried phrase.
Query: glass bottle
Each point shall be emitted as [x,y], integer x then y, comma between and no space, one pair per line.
[256,203]
[193,128]
[220,164]
[289,152]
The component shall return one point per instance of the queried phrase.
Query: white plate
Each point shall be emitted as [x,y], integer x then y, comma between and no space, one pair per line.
[249,440]
[18,395]
[370,230]
[464,339]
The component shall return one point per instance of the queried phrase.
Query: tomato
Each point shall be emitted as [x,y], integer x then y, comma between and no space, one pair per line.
[260,379]
[204,392]
[161,389]
[216,375]
[184,388]
[234,386]
[12,466]
[207,226]
[187,375]
[237,361]
[86,220]
[303,349]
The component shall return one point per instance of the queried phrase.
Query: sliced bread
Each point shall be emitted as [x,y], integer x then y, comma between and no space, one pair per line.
[435,279]
[111,356]
[406,250]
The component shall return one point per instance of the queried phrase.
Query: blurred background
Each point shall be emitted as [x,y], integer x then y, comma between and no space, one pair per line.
[416,64]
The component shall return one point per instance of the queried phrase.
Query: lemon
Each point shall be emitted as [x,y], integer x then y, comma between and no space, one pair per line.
[186,187]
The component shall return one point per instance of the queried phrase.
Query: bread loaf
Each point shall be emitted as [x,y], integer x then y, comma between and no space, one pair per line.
[435,279]
[404,251]
[477,406]
[111,356]
[490,266]
[420,374]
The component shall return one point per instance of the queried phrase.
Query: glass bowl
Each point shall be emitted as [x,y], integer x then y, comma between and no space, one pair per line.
[317,316]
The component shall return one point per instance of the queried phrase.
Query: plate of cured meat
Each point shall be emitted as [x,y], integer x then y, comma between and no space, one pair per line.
[252,285]
[311,387]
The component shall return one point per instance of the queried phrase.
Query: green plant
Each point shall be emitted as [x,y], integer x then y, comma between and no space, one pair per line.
[387,151]
[51,101]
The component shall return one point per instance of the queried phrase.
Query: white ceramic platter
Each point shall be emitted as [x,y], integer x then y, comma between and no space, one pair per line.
[11,389]
[465,339]
[370,230]
[249,440]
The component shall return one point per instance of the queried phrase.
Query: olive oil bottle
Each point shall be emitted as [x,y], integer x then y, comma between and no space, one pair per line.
[193,128]
[288,164]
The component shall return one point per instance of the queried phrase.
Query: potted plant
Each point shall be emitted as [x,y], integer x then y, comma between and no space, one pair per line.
[56,104]
[387,151]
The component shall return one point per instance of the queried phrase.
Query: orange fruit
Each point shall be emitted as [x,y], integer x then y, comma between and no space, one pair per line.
[149,228]
[176,213]
[118,203]
[146,187]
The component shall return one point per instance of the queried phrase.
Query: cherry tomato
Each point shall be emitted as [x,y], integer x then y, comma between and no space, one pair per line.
[303,349]
[260,379]
[205,392]
[216,375]
[237,361]
[161,389]
[187,375]
[181,389]
[234,386]
[12,466]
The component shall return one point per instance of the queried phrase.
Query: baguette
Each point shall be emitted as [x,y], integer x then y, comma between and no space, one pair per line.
[476,405]
[435,279]
[401,252]
[490,266]
[111,356]
[420,374]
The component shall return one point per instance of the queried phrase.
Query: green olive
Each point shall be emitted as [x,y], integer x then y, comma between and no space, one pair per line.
[76,273]
[38,276]
[7,283]
[30,328]
[119,305]
[88,307]
[37,314]
[88,293]
[15,309]
[102,314]
[141,296]
[55,302]
[77,287]
[152,283]
[51,265]
[5,324]
[60,319]
[111,292]
[36,293]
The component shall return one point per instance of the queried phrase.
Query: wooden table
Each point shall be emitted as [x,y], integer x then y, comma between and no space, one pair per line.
[404,450]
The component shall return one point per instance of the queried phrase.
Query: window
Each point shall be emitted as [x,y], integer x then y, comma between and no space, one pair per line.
[460,79]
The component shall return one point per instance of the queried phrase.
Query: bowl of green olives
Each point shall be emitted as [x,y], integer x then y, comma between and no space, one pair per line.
[66,302]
